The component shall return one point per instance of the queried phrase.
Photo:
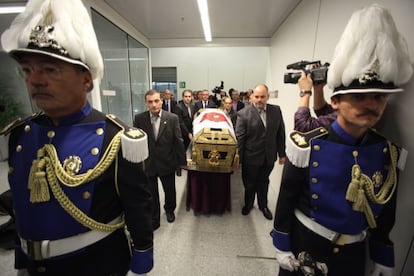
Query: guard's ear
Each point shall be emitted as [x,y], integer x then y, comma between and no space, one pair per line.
[88,81]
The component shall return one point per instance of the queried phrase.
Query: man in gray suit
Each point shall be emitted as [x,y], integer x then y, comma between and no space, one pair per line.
[166,153]
[260,133]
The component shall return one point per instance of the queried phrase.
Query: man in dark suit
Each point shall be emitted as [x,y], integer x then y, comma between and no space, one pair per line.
[168,104]
[166,153]
[260,133]
[235,97]
[185,112]
[228,109]
[205,102]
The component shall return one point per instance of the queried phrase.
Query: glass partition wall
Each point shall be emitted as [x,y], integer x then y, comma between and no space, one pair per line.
[126,75]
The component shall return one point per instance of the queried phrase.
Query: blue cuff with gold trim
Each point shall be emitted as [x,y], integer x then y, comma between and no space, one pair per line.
[142,261]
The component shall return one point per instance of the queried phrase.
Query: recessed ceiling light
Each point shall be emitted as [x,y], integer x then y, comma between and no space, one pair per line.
[205,20]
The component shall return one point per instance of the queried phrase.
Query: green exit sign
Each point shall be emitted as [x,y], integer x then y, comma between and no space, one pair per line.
[182,84]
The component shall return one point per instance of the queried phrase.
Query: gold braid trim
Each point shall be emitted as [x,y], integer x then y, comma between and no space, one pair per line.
[390,182]
[47,157]
[361,187]
[76,180]
[71,208]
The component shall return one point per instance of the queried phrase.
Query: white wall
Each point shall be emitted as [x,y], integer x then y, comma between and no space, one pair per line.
[204,67]
[311,33]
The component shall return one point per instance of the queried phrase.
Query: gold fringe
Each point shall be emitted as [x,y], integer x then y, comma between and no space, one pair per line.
[38,186]
[352,191]
[361,202]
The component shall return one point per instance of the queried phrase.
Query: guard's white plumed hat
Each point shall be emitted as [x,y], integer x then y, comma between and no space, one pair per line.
[371,55]
[60,29]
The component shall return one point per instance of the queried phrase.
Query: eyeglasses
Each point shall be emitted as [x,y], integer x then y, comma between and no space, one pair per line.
[50,71]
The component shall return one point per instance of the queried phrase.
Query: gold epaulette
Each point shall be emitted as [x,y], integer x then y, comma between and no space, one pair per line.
[298,146]
[134,141]
[18,122]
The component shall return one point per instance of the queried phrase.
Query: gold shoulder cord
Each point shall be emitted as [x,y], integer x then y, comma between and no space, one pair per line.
[361,186]
[49,164]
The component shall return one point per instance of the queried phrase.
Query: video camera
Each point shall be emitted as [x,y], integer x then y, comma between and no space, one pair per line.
[218,89]
[318,74]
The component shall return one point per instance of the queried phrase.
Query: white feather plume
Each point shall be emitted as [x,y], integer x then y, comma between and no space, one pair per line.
[73,30]
[370,39]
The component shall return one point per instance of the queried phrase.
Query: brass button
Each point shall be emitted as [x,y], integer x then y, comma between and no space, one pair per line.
[355,153]
[315,164]
[385,150]
[316,147]
[19,148]
[99,131]
[41,269]
[86,195]
[314,180]
[51,134]
[95,151]
[11,170]
[335,250]
[26,128]
[315,196]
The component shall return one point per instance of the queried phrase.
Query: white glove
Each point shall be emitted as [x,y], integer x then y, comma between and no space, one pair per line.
[382,270]
[130,273]
[285,260]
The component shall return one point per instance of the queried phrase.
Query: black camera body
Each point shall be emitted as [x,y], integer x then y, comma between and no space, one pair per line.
[218,89]
[318,74]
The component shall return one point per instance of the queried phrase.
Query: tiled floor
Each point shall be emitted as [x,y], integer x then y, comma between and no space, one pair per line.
[228,244]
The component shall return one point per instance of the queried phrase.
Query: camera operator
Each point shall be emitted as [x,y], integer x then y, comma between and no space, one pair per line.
[304,121]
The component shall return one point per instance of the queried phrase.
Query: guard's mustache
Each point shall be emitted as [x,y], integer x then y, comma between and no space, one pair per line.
[39,90]
[369,112]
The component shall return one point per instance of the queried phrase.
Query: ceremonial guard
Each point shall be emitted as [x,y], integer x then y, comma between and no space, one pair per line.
[338,187]
[80,196]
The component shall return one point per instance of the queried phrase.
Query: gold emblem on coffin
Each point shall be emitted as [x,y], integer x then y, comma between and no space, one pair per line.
[214,150]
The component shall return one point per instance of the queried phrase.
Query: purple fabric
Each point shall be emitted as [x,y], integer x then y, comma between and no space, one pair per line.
[304,121]
[208,192]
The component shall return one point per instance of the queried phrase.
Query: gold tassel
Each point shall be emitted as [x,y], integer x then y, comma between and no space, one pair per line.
[40,189]
[361,201]
[352,191]
[38,186]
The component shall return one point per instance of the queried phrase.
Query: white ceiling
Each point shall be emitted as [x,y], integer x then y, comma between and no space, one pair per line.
[162,19]
[179,19]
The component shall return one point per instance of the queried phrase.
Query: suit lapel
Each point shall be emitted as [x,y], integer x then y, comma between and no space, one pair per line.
[163,124]
[257,115]
[148,125]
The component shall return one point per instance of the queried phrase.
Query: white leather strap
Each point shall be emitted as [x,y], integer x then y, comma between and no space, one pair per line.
[334,237]
[39,250]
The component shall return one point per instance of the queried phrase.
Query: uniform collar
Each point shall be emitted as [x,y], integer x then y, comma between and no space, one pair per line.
[349,139]
[77,116]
